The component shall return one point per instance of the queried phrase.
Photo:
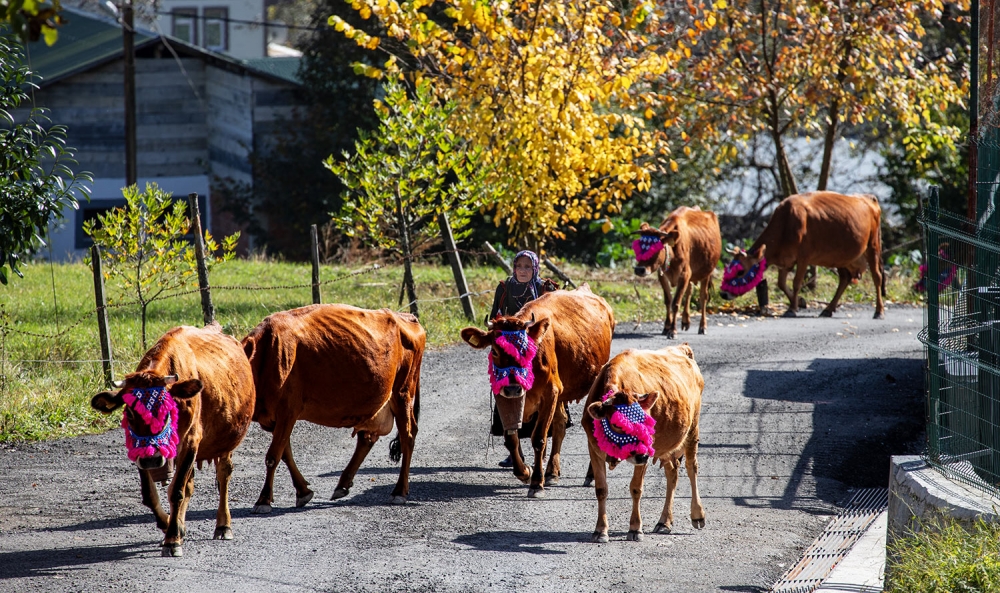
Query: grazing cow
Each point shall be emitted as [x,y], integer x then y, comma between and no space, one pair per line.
[684,251]
[337,366]
[191,397]
[645,404]
[820,228]
[547,353]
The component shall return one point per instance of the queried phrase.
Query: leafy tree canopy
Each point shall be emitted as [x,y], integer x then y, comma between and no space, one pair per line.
[31,19]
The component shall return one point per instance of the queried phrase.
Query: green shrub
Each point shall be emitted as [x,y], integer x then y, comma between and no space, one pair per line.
[946,558]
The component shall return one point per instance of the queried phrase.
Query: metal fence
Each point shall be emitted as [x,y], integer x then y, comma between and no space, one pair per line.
[962,338]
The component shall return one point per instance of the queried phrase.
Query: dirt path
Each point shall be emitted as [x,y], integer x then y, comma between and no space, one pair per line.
[796,413]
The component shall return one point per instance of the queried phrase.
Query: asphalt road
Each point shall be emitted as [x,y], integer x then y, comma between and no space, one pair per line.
[796,413]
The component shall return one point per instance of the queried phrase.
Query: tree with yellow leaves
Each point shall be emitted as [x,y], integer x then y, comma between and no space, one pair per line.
[800,66]
[558,94]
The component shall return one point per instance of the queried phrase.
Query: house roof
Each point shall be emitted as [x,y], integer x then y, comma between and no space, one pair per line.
[87,41]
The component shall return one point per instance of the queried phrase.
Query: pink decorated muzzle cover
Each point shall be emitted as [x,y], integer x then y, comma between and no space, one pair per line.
[159,411]
[737,285]
[519,345]
[634,435]
[646,247]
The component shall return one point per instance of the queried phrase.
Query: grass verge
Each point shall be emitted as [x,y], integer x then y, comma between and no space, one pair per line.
[946,558]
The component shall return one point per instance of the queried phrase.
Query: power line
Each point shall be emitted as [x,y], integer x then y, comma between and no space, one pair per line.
[241,21]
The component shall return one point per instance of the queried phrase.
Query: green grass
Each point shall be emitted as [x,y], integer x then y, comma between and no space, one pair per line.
[946,558]
[47,380]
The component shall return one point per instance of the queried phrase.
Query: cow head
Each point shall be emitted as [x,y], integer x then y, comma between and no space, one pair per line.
[513,343]
[743,273]
[150,416]
[623,427]
[651,248]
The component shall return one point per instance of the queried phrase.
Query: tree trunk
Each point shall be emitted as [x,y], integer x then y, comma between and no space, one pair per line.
[788,186]
[404,235]
[144,305]
[831,136]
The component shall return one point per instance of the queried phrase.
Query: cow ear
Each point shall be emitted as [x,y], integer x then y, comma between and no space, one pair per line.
[759,252]
[538,328]
[186,389]
[476,337]
[647,400]
[106,402]
[644,227]
[598,410]
[670,238]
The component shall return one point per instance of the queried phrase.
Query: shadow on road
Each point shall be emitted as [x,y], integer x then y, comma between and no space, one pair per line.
[863,411]
[52,562]
[532,542]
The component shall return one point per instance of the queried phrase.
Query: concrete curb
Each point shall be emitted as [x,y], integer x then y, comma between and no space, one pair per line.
[862,570]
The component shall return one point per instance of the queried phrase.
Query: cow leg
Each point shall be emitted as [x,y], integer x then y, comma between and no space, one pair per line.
[875,267]
[366,440]
[280,440]
[180,491]
[635,488]
[793,299]
[406,430]
[670,467]
[686,315]
[554,469]
[151,499]
[600,469]
[302,492]
[223,519]
[675,303]
[783,286]
[844,281]
[669,325]
[691,463]
[539,440]
[706,286]
[513,444]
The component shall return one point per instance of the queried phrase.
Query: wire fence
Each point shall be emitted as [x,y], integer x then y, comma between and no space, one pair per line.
[962,340]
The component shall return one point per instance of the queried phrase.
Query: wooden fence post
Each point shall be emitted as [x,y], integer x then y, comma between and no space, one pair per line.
[207,309]
[559,273]
[314,235]
[102,315]
[500,261]
[456,267]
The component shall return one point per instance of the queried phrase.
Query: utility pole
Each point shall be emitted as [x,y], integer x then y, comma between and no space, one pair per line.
[128,37]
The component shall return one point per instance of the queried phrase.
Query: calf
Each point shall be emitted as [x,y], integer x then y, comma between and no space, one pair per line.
[645,404]
[684,251]
[820,228]
[548,353]
[337,366]
[191,397]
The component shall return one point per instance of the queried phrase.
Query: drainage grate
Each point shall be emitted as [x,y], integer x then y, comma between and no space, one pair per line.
[834,543]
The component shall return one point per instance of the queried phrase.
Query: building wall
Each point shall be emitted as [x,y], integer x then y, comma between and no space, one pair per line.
[245,41]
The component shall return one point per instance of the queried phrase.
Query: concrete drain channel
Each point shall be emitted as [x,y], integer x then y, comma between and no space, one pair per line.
[835,542]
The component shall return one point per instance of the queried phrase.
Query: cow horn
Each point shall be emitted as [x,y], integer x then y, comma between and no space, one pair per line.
[170,379]
[117,384]
[489,325]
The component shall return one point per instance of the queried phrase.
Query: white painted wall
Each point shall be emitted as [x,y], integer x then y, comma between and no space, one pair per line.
[245,40]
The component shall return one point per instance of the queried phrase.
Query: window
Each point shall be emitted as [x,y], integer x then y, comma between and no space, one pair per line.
[217,28]
[184,24]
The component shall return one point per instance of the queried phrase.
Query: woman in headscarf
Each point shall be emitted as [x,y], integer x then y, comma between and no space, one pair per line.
[511,295]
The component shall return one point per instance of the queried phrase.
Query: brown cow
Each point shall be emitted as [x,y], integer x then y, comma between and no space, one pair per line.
[824,229]
[667,385]
[571,331]
[208,379]
[691,246]
[338,366]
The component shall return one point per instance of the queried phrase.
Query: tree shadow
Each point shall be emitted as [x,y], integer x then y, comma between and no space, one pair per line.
[532,542]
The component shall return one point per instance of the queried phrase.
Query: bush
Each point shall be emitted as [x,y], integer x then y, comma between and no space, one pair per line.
[946,558]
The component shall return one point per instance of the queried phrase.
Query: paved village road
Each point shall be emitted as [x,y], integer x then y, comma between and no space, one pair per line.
[796,413]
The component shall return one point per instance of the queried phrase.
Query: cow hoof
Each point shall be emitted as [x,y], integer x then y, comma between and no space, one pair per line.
[224,532]
[397,500]
[599,538]
[536,492]
[789,313]
[685,326]
[701,331]
[551,480]
[879,316]
[171,551]
[340,493]
[671,334]
[261,509]
[826,313]
[698,523]
[301,501]
[662,528]
[524,479]
[588,482]
[634,536]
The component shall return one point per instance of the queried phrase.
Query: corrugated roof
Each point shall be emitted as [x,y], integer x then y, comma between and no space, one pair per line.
[283,68]
[85,42]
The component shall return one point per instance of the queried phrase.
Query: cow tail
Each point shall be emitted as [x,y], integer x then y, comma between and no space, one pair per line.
[395,450]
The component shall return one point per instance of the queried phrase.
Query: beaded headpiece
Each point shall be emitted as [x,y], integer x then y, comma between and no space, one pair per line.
[646,247]
[629,431]
[159,411]
[519,345]
[735,284]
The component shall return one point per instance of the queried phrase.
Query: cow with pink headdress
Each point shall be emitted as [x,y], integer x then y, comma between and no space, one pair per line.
[549,352]
[645,406]
[683,251]
[190,400]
